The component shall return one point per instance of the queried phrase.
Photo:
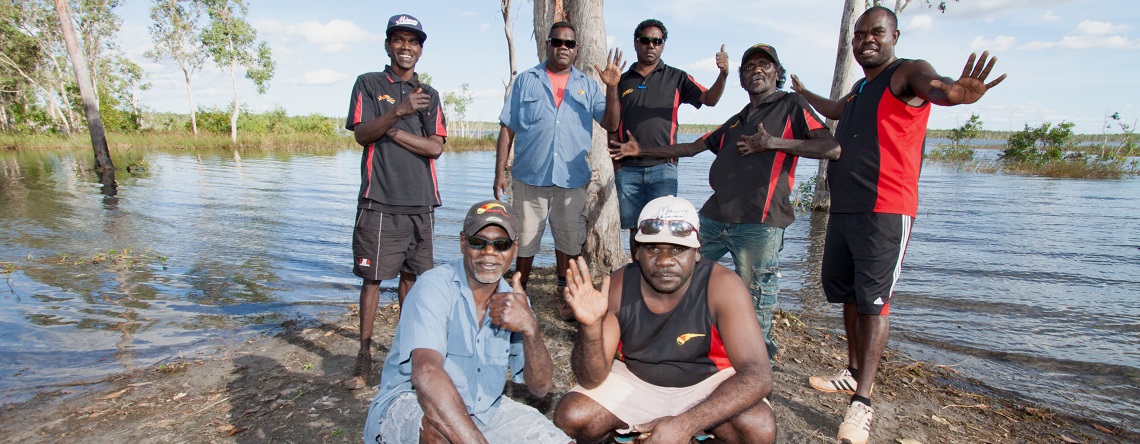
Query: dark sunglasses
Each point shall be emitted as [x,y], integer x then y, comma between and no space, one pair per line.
[569,44]
[677,228]
[654,40]
[478,244]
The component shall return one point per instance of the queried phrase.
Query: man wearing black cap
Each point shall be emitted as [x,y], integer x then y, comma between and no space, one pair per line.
[462,333]
[752,176]
[399,123]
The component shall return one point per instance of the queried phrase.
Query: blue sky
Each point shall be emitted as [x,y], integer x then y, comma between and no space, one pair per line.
[1073,60]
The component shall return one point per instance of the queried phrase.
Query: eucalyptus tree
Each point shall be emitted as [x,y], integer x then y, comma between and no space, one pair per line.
[232,43]
[103,163]
[176,31]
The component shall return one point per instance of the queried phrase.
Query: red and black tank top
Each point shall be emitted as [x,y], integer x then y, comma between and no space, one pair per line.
[882,139]
[678,348]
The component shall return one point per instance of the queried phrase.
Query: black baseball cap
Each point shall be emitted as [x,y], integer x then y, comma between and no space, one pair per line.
[489,212]
[405,22]
[760,47]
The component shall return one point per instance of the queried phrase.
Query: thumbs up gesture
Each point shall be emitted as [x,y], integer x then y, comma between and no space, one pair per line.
[722,60]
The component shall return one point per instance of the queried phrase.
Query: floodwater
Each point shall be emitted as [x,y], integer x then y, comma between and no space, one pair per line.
[1029,285]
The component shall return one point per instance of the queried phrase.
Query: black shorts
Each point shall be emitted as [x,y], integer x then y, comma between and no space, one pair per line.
[384,244]
[862,258]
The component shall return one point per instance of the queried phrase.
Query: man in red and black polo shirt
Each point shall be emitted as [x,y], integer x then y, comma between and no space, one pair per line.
[651,93]
[399,123]
[753,176]
[874,194]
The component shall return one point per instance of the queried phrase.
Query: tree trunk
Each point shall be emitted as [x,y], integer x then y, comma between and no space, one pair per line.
[103,162]
[506,7]
[234,114]
[841,81]
[190,99]
[604,249]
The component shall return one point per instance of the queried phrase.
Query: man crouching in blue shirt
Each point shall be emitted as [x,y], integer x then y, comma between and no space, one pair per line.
[463,330]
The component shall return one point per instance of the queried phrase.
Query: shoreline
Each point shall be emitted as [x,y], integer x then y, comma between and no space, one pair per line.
[285,388]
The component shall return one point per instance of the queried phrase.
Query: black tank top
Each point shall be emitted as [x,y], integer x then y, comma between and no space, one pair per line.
[678,348]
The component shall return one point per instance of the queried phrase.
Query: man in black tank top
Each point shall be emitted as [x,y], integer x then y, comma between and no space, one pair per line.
[668,348]
[874,193]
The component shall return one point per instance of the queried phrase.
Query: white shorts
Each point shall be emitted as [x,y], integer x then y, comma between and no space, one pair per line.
[514,422]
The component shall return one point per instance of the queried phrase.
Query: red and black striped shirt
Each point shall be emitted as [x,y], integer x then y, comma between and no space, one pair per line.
[649,106]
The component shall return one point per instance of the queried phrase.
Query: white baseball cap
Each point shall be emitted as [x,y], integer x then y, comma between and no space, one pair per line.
[669,220]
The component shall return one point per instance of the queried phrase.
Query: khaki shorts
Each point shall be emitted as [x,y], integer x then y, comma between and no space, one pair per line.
[566,208]
[637,402]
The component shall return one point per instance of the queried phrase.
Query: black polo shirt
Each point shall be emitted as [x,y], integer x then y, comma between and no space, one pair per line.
[649,106]
[755,188]
[390,174]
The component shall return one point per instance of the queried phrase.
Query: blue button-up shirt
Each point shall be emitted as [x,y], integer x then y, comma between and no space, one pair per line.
[439,314]
[551,143]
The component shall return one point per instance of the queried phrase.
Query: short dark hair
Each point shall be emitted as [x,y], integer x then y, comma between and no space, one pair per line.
[564,24]
[651,23]
[891,17]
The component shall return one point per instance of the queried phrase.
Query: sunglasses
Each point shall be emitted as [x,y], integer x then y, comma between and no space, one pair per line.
[677,228]
[569,44]
[654,40]
[478,243]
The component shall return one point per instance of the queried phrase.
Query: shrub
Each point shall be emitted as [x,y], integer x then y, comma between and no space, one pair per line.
[959,149]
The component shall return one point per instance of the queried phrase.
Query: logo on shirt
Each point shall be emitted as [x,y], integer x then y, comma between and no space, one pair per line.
[581,92]
[623,93]
[681,340]
[387,98]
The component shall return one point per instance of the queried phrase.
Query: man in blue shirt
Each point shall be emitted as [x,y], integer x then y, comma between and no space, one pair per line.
[551,108]
[462,332]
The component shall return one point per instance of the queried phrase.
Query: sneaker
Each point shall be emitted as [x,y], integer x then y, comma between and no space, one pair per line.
[361,372]
[856,426]
[843,382]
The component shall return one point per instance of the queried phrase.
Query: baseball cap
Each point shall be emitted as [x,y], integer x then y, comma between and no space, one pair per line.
[404,22]
[673,212]
[760,47]
[489,212]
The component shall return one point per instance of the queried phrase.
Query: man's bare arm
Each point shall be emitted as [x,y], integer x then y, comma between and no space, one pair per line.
[831,109]
[503,151]
[593,352]
[442,405]
[619,151]
[512,312]
[820,144]
[430,146]
[922,81]
[711,96]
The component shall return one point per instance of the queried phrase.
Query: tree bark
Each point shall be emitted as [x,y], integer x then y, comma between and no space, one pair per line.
[841,80]
[190,98]
[506,8]
[234,114]
[103,162]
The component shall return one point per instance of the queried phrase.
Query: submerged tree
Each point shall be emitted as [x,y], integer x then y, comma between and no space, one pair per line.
[103,162]
[232,43]
[177,36]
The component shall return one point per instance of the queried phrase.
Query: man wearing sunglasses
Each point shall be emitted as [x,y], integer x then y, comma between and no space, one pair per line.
[752,176]
[462,333]
[650,93]
[667,347]
[549,117]
[399,123]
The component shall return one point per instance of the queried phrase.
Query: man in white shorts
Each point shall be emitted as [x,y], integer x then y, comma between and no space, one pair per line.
[667,348]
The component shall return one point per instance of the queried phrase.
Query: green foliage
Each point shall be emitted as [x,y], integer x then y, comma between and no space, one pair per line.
[1043,143]
[232,42]
[802,197]
[1051,151]
[1126,146]
[959,149]
[217,120]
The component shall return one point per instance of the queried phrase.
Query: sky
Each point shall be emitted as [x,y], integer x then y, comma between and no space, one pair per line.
[1067,60]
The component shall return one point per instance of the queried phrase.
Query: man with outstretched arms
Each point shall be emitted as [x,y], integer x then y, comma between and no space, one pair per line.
[549,117]
[399,123]
[668,348]
[753,176]
[462,334]
[874,193]
[651,93]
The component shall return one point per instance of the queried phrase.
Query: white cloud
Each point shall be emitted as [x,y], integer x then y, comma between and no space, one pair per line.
[1036,45]
[323,77]
[333,37]
[1094,27]
[919,23]
[999,43]
[1050,16]
[1089,34]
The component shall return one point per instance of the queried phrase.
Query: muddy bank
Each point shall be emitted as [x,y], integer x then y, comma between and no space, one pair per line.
[285,388]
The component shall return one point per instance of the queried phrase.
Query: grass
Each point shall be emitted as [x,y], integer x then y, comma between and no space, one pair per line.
[125,259]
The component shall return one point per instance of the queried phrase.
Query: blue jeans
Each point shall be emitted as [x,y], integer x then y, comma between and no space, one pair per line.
[637,185]
[755,250]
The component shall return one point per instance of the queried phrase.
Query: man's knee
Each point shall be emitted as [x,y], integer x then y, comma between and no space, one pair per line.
[582,418]
[755,425]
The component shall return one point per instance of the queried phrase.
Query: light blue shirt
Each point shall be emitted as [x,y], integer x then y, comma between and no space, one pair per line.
[551,143]
[439,314]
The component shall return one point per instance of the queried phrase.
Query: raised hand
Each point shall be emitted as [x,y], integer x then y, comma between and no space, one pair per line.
[722,60]
[612,74]
[511,310]
[589,304]
[758,143]
[971,86]
[619,151]
[415,101]
[797,86]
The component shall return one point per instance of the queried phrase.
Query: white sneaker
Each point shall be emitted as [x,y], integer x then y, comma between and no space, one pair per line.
[856,426]
[843,382]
